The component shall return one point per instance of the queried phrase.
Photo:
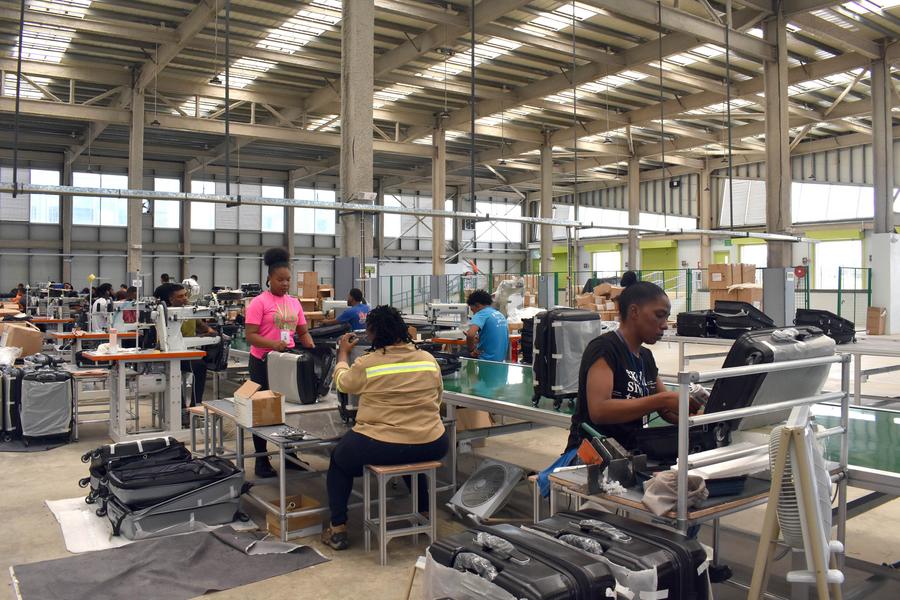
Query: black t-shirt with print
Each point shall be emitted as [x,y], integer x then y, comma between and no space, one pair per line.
[633,377]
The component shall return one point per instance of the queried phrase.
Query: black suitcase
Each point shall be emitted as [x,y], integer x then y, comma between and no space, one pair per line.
[11,382]
[329,333]
[559,335]
[526,344]
[216,358]
[734,319]
[303,375]
[525,564]
[140,486]
[841,330]
[755,347]
[637,546]
[696,323]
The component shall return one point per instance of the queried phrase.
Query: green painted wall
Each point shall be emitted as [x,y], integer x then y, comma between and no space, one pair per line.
[659,259]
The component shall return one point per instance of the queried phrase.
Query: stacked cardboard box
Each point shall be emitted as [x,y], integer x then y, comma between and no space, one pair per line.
[876,320]
[750,293]
[307,284]
[23,335]
[734,283]
[603,300]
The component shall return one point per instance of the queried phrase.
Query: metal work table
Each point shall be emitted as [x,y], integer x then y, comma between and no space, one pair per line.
[77,339]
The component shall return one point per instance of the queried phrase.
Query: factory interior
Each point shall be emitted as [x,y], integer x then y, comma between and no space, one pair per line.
[450,299]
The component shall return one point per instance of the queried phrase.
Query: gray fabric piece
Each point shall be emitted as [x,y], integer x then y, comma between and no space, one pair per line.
[33,446]
[171,568]
[660,493]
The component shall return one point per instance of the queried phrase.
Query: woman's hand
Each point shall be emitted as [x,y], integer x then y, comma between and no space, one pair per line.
[669,406]
[280,346]
[347,343]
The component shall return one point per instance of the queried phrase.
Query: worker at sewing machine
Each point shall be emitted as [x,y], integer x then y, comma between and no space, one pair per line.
[488,335]
[175,295]
[100,309]
[354,314]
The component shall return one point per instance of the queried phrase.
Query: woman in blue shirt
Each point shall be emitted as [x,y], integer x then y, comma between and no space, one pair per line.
[489,327]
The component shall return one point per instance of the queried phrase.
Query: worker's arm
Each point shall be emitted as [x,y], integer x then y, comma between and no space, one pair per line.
[253,336]
[672,415]
[604,409]
[204,329]
[305,339]
[472,340]
[347,379]
[330,322]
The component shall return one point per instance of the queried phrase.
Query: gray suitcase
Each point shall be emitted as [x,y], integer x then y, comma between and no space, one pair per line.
[45,404]
[10,391]
[141,486]
[302,375]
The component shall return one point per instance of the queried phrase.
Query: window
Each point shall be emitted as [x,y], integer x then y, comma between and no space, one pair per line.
[108,212]
[606,264]
[658,221]
[749,203]
[314,220]
[273,216]
[499,231]
[408,226]
[203,214]
[830,256]
[167,213]
[44,207]
[755,254]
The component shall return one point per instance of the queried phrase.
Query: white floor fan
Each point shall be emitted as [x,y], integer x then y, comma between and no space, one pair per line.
[800,510]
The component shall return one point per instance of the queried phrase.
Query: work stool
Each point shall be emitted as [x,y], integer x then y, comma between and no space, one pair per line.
[198,414]
[419,522]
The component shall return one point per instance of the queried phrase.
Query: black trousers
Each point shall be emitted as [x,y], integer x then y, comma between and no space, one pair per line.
[198,368]
[356,450]
[259,373]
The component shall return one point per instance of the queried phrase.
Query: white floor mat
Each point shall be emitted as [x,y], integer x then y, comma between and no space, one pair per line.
[84,531]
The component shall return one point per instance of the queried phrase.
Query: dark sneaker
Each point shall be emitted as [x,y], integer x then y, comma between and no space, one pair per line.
[289,464]
[264,469]
[335,537]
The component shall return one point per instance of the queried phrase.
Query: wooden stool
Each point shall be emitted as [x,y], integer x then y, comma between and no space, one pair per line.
[379,526]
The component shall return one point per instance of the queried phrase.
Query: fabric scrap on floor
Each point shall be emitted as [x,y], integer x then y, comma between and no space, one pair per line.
[174,568]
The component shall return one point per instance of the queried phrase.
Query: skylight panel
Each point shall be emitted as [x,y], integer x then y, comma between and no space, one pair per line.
[835,18]
[27,91]
[76,8]
[203,108]
[302,28]
[46,43]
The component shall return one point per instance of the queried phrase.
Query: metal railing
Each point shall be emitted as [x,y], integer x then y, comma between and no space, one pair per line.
[854,293]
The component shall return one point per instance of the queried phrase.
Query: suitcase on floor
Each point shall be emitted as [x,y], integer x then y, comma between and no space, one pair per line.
[153,451]
[525,564]
[755,347]
[696,323]
[215,503]
[302,375]
[635,546]
[46,405]
[841,330]
[733,319]
[560,335]
[141,486]
[10,392]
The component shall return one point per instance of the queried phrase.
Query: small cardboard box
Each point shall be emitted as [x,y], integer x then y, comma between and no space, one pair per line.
[299,526]
[603,289]
[253,408]
[325,291]
[307,284]
[876,320]
[719,277]
[609,315]
[309,304]
[22,335]
[585,301]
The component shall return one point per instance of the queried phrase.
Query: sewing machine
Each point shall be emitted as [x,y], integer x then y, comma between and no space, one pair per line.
[338,306]
[441,310]
[168,321]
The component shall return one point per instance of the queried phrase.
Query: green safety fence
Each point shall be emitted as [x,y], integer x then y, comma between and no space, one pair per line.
[854,293]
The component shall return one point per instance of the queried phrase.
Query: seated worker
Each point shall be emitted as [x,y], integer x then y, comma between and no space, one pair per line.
[100,315]
[618,382]
[488,334]
[398,421]
[174,295]
[354,314]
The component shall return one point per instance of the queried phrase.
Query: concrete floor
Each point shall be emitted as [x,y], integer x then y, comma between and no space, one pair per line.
[30,533]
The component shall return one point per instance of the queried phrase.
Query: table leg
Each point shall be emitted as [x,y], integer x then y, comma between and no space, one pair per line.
[451,417]
[239,446]
[75,387]
[857,379]
[206,424]
[553,499]
[122,400]
[282,493]
[682,364]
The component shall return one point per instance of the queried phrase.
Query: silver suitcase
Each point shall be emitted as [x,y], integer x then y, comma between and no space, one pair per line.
[45,403]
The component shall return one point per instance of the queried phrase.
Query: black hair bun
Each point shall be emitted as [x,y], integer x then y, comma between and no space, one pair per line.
[628,278]
[274,256]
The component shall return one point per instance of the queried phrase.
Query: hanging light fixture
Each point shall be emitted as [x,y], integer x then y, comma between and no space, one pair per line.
[215,79]
[155,122]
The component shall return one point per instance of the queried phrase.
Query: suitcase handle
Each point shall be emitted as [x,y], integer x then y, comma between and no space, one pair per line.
[469,561]
[502,548]
[599,527]
[581,542]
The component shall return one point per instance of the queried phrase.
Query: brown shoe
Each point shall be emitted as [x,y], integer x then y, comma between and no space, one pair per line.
[335,537]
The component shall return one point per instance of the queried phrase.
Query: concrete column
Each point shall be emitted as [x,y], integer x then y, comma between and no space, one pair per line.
[438,194]
[65,222]
[546,204]
[135,182]
[778,152]
[634,213]
[357,64]
[186,179]
[289,221]
[882,145]
[704,204]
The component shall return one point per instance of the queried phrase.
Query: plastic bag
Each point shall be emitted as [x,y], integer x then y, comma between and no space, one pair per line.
[8,355]
[446,582]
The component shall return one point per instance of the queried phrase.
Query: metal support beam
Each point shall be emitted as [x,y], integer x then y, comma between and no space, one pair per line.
[186,250]
[65,221]
[882,145]
[357,56]
[438,194]
[546,204]
[289,220]
[634,213]
[704,202]
[778,152]
[135,181]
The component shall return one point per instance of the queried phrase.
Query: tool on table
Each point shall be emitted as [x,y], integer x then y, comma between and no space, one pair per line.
[619,464]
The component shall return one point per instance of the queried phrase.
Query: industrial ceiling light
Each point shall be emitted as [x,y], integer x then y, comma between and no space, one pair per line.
[155,123]
[215,80]
[607,140]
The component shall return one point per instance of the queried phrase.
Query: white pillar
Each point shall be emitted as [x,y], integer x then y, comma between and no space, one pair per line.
[546,205]
[65,221]
[135,182]
[438,194]
[634,213]
[704,204]
[186,179]
[778,152]
[882,145]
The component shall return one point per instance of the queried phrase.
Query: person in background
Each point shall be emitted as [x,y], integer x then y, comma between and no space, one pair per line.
[123,288]
[121,294]
[100,309]
[488,334]
[174,295]
[164,278]
[399,416]
[194,277]
[20,296]
[68,287]
[271,320]
[618,382]
[355,313]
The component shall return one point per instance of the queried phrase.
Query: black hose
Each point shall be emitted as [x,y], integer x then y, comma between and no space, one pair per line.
[18,100]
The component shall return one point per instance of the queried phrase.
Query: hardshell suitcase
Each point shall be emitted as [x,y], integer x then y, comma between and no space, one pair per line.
[45,404]
[559,335]
[733,319]
[302,375]
[696,323]
[140,486]
[10,392]
[525,564]
[755,347]
[216,358]
[526,344]
[329,333]
[634,546]
[215,503]
[839,329]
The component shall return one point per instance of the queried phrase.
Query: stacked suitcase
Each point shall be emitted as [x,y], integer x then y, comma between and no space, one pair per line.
[36,402]
[155,487]
[841,330]
[728,320]
[582,555]
[560,334]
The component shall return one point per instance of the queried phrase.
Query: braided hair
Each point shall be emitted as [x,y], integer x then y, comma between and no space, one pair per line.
[386,327]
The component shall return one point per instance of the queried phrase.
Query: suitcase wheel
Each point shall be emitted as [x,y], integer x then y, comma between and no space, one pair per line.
[242,517]
[84,482]
[89,499]
[719,573]
[7,438]
[101,512]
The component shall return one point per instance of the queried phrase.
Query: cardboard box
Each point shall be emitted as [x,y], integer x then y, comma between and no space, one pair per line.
[22,335]
[587,301]
[325,291]
[876,320]
[301,526]
[309,304]
[608,290]
[744,292]
[307,284]
[722,277]
[609,315]
[9,311]
[253,408]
